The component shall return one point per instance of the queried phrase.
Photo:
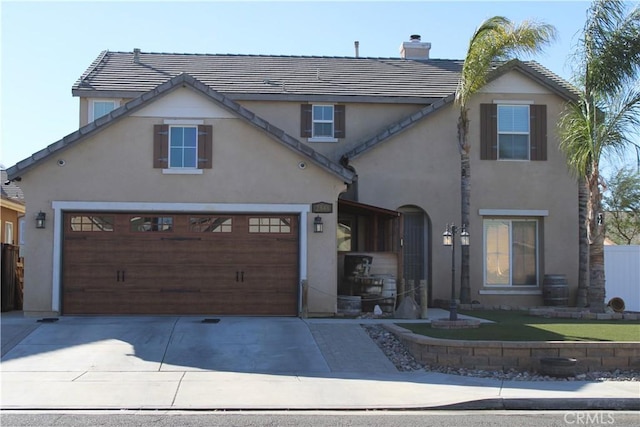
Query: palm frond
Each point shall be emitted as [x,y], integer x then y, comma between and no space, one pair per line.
[498,39]
[609,50]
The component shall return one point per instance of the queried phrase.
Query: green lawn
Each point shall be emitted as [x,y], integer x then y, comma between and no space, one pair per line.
[520,326]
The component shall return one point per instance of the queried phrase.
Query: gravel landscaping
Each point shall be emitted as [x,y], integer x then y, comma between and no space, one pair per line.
[404,361]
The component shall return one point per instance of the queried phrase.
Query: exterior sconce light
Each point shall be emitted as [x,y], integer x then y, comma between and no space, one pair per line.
[464,236]
[40,219]
[448,239]
[318,225]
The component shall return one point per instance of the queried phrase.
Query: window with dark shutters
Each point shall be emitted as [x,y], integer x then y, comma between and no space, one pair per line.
[489,132]
[538,132]
[306,120]
[161,146]
[339,121]
[205,145]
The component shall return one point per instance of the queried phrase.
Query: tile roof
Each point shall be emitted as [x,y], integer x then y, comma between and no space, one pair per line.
[176,82]
[255,75]
[274,77]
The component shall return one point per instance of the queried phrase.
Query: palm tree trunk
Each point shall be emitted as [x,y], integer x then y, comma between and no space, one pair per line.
[465,202]
[596,294]
[583,239]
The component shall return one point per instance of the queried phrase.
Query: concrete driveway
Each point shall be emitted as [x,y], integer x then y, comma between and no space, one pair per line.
[234,344]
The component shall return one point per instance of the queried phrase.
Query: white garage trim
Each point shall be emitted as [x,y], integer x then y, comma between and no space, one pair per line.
[60,206]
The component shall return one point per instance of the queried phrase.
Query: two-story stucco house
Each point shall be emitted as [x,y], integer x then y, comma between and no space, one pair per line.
[237,184]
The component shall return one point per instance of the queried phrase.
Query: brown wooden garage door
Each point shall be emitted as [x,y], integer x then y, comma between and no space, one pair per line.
[115,263]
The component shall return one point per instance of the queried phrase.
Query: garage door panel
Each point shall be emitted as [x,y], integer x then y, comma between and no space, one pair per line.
[116,268]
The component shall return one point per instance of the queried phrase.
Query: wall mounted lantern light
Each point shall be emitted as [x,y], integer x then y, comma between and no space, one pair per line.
[448,239]
[318,225]
[41,217]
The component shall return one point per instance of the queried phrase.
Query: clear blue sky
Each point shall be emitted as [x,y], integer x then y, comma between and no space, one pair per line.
[46,46]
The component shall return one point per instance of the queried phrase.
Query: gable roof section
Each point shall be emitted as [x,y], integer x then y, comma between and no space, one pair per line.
[255,77]
[531,69]
[183,80]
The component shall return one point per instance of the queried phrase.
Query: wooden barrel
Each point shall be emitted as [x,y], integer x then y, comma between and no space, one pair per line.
[349,305]
[555,290]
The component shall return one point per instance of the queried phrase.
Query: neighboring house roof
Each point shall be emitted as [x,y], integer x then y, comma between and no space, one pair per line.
[531,69]
[176,82]
[9,189]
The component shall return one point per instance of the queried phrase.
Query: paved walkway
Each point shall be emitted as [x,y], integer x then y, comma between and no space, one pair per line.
[247,363]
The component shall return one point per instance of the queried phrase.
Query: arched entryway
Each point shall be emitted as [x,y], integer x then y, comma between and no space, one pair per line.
[416,251]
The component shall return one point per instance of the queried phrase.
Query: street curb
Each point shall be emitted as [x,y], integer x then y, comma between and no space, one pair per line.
[575,404]
[524,404]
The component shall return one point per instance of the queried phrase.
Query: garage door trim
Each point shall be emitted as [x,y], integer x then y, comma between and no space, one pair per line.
[59,207]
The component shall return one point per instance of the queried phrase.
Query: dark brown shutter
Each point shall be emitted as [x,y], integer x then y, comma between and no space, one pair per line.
[538,129]
[339,123]
[161,146]
[488,132]
[205,145]
[305,120]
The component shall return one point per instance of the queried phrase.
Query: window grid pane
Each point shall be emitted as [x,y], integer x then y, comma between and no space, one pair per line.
[211,224]
[323,121]
[280,225]
[91,223]
[183,144]
[513,132]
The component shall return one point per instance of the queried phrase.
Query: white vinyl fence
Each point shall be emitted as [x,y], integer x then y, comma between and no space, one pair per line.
[622,274]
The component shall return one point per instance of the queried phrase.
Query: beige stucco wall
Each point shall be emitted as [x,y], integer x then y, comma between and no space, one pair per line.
[421,167]
[362,121]
[116,166]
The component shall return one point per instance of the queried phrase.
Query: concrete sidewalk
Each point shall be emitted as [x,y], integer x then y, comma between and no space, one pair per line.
[248,363]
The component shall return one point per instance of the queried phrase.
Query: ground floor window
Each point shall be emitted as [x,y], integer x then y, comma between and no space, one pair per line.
[511,252]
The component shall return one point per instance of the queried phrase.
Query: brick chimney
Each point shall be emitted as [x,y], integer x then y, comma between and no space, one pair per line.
[415,49]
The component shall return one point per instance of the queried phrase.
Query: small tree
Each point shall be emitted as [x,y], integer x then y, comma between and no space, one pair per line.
[622,202]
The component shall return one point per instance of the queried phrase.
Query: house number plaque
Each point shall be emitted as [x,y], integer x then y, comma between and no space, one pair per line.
[321,207]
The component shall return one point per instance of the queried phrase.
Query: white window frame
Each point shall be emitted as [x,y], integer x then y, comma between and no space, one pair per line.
[92,103]
[528,133]
[510,285]
[8,232]
[323,138]
[182,123]
[195,166]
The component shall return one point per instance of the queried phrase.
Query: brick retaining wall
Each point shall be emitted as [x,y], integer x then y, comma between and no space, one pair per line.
[520,355]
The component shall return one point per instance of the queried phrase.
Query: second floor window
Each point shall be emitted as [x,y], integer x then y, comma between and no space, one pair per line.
[322,121]
[513,132]
[101,108]
[183,146]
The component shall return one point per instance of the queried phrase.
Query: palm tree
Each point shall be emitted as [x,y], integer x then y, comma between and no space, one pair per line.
[496,40]
[601,122]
